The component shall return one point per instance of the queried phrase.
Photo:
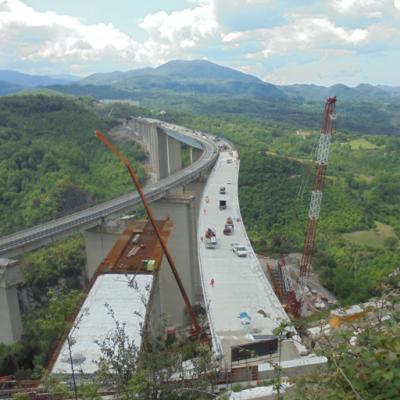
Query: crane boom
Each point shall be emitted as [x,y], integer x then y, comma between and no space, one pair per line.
[327,130]
[196,327]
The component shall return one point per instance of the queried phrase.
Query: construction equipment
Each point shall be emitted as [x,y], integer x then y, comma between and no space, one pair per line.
[196,329]
[228,228]
[291,294]
[327,130]
[210,239]
[222,204]
[283,285]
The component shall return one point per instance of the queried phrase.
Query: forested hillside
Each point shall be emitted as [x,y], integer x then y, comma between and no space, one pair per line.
[50,161]
[357,240]
[205,88]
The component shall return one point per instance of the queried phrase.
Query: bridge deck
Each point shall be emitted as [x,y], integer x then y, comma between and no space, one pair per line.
[95,323]
[239,284]
[37,236]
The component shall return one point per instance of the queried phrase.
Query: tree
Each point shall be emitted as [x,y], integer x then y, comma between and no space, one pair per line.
[363,357]
[159,369]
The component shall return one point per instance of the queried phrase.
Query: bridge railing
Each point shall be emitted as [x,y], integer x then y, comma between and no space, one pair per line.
[91,216]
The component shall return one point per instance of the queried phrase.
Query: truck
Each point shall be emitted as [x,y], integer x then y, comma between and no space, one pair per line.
[210,239]
[228,229]
[211,242]
[222,204]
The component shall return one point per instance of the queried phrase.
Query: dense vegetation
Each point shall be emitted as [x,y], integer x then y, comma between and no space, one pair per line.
[363,357]
[51,162]
[53,279]
[204,88]
[275,177]
[373,117]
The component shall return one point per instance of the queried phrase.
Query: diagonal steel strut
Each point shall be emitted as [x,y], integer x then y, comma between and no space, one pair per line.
[197,329]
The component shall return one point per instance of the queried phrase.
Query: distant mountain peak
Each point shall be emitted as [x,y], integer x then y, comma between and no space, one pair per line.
[202,69]
[28,81]
[175,69]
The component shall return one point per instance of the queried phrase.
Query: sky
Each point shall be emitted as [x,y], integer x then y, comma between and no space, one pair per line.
[280,41]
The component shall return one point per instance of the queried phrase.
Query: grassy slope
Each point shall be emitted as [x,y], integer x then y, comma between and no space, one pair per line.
[372,237]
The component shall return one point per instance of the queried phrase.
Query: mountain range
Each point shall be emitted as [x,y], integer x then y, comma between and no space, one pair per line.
[13,81]
[192,77]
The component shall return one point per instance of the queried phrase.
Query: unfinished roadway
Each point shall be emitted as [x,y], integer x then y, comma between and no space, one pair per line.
[241,306]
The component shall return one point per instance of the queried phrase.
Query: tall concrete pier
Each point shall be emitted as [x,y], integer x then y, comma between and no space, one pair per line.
[195,154]
[10,317]
[181,209]
[99,241]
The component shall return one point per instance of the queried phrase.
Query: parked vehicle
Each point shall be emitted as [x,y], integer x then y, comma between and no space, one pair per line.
[229,227]
[222,204]
[239,249]
[211,243]
[228,230]
[244,318]
[229,221]
[210,239]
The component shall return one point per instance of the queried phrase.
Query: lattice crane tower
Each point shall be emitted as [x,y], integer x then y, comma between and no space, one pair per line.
[327,130]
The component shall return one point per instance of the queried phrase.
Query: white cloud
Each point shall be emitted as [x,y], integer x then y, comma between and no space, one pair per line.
[300,34]
[48,40]
[366,8]
[222,8]
[182,29]
[226,4]
[49,36]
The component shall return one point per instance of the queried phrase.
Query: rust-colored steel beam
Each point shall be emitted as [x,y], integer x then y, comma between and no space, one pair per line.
[125,161]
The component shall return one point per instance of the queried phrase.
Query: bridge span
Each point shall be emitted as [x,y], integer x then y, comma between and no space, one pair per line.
[38,236]
[244,313]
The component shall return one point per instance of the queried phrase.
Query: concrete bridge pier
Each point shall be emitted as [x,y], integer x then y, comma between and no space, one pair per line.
[181,209]
[156,142]
[98,242]
[195,154]
[164,151]
[10,314]
[174,154]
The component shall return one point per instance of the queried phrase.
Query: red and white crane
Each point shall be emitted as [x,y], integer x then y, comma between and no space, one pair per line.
[327,130]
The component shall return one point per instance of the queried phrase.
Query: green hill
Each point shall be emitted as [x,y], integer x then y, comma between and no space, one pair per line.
[51,162]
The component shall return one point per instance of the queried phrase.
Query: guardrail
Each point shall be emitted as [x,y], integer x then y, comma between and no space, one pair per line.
[93,216]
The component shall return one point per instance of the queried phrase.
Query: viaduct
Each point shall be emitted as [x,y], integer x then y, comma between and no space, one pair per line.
[174,192]
[242,310]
